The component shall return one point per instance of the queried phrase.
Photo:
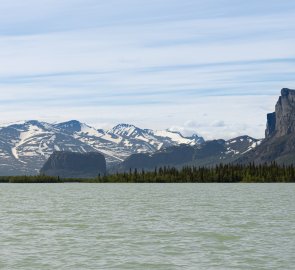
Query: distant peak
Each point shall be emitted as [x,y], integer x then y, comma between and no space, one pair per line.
[32,122]
[124,125]
[241,138]
[72,125]
[126,130]
[174,131]
[71,122]
[16,123]
[195,136]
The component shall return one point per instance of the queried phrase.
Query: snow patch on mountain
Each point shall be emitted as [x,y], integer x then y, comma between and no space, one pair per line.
[90,131]
[25,146]
[31,131]
[175,137]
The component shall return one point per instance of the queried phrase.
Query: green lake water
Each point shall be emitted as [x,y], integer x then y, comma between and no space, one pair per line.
[147,226]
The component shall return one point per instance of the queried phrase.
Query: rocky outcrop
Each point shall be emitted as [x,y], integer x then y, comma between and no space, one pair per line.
[282,121]
[270,124]
[279,142]
[75,165]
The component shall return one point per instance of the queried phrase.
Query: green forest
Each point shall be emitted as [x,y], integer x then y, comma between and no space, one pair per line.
[230,173]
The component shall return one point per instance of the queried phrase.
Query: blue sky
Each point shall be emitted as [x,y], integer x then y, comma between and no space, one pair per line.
[209,67]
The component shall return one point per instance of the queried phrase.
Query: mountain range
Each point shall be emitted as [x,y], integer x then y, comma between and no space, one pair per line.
[26,146]
[277,146]
[209,153]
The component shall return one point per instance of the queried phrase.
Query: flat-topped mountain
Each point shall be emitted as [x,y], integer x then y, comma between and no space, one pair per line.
[75,165]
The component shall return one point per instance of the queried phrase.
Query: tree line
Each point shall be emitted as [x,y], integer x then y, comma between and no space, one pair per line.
[222,173]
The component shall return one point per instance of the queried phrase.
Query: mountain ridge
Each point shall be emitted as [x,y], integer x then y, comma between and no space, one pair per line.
[26,145]
[209,153]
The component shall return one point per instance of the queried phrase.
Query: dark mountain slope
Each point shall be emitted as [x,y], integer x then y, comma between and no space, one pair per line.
[208,154]
[74,165]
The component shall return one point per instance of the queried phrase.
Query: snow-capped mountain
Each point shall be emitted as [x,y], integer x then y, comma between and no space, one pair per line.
[208,153]
[25,146]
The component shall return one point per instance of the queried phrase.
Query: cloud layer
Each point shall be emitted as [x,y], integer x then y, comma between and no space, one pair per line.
[208,67]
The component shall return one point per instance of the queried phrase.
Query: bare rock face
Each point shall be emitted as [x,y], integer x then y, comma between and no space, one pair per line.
[279,142]
[282,121]
[75,165]
[270,125]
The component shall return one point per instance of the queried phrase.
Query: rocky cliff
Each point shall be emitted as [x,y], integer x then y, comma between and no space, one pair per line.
[282,121]
[270,124]
[75,165]
[279,142]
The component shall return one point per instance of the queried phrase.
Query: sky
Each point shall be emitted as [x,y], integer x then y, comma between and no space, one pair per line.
[211,67]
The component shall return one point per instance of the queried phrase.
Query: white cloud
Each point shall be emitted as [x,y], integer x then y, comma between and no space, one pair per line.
[156,64]
[243,115]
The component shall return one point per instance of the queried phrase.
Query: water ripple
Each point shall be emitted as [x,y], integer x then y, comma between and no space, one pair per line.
[147,226]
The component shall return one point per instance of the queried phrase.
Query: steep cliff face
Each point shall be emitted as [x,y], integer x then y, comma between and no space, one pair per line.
[279,142]
[285,113]
[270,125]
[282,121]
[69,164]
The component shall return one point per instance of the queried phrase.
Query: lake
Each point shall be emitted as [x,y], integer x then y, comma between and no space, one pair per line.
[147,226]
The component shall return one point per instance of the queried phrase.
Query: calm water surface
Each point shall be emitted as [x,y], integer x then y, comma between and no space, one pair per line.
[147,226]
